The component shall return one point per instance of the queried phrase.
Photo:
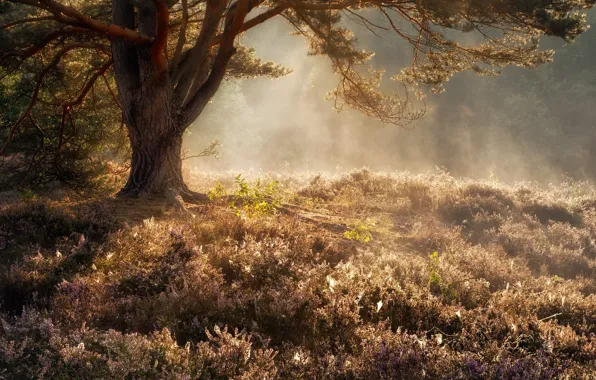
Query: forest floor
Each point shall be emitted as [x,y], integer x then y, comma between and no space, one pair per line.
[365,275]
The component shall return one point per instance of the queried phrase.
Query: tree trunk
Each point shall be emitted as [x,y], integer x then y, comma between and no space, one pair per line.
[156,142]
[154,119]
[156,167]
[145,95]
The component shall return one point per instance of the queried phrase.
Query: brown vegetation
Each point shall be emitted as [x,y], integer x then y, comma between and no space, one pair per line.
[100,289]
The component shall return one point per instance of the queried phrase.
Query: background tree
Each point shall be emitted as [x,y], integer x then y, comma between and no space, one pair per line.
[168,58]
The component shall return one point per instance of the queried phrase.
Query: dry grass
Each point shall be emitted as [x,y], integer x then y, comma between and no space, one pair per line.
[114,289]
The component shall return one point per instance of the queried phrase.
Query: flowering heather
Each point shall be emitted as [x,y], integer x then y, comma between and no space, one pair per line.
[459,279]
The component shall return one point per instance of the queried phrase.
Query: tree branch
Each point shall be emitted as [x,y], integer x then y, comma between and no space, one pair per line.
[203,71]
[71,16]
[100,72]
[196,55]
[181,38]
[158,46]
[254,22]
[55,61]
[320,5]
[60,142]
[26,20]
[48,38]
[234,16]
[199,100]
[116,100]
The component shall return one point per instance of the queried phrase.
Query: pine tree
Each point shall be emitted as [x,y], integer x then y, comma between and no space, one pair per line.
[168,58]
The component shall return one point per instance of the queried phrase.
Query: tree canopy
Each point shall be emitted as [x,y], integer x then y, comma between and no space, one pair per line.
[161,61]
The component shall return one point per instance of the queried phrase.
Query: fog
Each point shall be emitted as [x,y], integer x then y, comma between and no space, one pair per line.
[522,125]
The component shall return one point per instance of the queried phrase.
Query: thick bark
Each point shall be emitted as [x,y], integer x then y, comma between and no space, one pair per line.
[156,111]
[156,167]
[146,97]
[156,142]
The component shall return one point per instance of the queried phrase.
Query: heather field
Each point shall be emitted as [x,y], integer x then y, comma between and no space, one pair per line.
[361,275]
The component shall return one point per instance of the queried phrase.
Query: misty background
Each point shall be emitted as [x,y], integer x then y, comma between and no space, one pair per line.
[534,125]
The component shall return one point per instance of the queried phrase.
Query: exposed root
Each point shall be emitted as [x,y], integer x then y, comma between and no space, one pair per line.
[193,196]
[175,196]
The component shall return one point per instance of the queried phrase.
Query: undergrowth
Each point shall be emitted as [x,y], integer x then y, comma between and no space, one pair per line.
[463,279]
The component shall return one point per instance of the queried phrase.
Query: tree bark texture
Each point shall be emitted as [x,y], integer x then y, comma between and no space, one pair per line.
[158,102]
[146,98]
[156,165]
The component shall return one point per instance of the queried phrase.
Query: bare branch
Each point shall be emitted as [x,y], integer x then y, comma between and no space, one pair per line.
[196,56]
[254,22]
[199,100]
[181,38]
[210,150]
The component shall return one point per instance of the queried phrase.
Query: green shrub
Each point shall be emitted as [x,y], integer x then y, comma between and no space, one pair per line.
[360,231]
[217,192]
[259,199]
[434,278]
